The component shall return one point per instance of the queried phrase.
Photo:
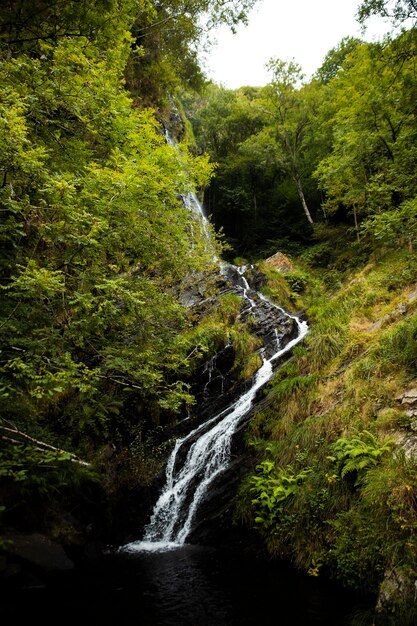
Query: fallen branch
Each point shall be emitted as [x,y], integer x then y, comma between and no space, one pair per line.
[41,445]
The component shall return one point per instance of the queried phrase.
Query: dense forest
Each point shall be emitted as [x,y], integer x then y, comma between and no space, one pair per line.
[101,260]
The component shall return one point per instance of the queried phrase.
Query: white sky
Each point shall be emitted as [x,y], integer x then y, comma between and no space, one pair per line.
[301,29]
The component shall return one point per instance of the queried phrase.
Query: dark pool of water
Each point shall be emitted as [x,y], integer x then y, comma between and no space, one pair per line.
[191,586]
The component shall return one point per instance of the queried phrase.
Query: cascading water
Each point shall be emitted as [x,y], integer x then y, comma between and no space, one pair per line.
[198,458]
[193,584]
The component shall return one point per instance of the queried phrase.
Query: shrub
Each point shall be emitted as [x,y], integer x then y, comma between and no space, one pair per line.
[272,488]
[297,280]
[357,454]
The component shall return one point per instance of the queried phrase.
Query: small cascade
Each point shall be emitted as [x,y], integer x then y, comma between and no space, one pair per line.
[190,200]
[215,378]
[203,454]
[192,203]
[199,457]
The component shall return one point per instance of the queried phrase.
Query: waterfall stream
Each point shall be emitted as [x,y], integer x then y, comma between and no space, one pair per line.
[205,451]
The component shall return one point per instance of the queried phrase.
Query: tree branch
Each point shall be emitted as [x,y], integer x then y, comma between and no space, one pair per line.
[41,444]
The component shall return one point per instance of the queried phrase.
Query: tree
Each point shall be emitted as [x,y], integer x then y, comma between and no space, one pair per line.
[335,58]
[223,120]
[370,108]
[168,39]
[253,195]
[290,113]
[397,10]
[97,249]
[26,23]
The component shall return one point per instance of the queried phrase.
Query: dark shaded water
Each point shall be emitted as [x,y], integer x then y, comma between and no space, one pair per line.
[191,586]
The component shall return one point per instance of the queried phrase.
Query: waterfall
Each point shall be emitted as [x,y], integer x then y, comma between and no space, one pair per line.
[199,457]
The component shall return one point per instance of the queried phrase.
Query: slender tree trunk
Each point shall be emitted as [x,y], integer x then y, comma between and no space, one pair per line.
[290,147]
[299,186]
[292,153]
[42,446]
[355,217]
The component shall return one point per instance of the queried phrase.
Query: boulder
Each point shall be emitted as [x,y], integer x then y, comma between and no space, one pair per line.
[280,262]
[397,588]
[39,550]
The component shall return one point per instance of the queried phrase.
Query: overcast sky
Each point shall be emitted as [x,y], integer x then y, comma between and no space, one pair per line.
[301,29]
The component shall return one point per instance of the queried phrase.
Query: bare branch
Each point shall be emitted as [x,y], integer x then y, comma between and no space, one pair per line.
[41,444]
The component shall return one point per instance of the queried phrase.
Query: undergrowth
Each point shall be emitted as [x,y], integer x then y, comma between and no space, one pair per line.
[333,489]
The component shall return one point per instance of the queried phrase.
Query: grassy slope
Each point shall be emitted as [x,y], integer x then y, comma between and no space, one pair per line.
[347,510]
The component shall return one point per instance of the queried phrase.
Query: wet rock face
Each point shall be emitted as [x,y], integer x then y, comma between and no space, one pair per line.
[396,587]
[271,325]
[39,550]
[29,560]
[217,383]
[266,320]
[408,441]
[216,386]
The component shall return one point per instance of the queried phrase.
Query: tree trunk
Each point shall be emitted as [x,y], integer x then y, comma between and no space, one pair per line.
[299,186]
[355,217]
[291,151]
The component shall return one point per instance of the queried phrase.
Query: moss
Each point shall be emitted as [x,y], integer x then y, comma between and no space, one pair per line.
[276,287]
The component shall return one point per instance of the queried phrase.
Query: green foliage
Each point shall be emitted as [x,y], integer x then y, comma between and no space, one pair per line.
[378,533]
[326,341]
[357,454]
[92,277]
[276,287]
[335,58]
[253,197]
[98,252]
[297,280]
[399,346]
[285,384]
[36,481]
[394,227]
[368,171]
[229,307]
[42,470]
[318,255]
[98,256]
[168,34]
[331,408]
[357,550]
[396,10]
[290,111]
[245,345]
[272,488]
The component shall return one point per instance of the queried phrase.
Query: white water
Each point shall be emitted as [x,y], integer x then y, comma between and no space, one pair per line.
[209,454]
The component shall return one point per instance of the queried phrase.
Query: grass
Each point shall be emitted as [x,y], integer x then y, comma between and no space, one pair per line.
[360,354]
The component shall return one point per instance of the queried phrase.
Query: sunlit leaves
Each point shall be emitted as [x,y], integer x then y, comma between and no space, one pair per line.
[272,488]
[370,108]
[99,247]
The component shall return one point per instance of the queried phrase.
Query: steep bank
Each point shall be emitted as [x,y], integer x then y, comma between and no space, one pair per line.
[335,484]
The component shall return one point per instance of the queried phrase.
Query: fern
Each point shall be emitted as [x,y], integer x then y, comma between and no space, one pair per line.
[272,489]
[356,455]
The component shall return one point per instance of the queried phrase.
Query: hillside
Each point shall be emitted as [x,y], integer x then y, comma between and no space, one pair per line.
[114,300]
[335,483]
